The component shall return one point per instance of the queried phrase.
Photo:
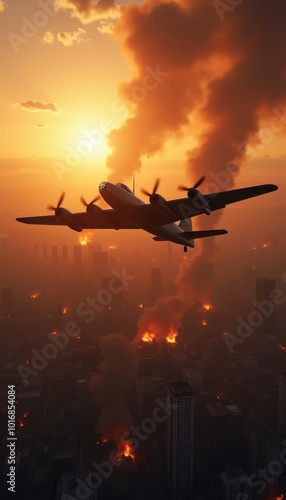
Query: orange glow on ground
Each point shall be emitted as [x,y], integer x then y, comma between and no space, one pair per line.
[207,307]
[112,247]
[140,306]
[171,338]
[65,310]
[54,332]
[148,337]
[266,244]
[253,247]
[85,238]
[35,295]
[204,322]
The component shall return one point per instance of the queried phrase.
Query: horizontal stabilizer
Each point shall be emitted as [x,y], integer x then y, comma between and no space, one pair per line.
[193,235]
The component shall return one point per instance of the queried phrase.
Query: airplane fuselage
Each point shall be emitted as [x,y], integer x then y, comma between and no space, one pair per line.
[126,203]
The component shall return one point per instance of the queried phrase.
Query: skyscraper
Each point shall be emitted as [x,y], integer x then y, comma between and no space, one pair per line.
[282,406]
[235,483]
[181,440]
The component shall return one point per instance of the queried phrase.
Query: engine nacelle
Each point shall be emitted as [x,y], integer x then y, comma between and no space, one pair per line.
[93,209]
[161,205]
[200,202]
[66,216]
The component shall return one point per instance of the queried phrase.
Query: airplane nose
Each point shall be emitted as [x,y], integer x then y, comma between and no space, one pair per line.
[102,187]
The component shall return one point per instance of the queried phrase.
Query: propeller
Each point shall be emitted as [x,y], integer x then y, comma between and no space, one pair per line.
[155,188]
[91,202]
[197,184]
[51,207]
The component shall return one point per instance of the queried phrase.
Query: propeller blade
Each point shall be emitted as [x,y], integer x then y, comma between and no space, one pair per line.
[157,183]
[183,188]
[50,207]
[145,192]
[95,200]
[83,201]
[61,199]
[199,182]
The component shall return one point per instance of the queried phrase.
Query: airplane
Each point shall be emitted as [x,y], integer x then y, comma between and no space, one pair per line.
[158,217]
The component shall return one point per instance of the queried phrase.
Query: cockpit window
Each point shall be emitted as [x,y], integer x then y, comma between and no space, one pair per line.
[119,184]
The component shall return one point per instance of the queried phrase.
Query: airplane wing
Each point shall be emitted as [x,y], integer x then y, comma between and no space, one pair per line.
[184,208]
[105,219]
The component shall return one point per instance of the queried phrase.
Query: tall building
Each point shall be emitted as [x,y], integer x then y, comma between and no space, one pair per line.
[235,483]
[181,440]
[282,406]
[65,254]
[77,260]
[264,304]
[156,284]
[6,300]
[54,258]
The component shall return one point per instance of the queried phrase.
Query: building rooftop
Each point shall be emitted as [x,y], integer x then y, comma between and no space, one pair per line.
[181,389]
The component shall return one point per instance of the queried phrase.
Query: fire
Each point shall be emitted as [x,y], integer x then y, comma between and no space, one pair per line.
[280,497]
[35,295]
[204,322]
[102,441]
[282,347]
[112,247]
[21,423]
[207,307]
[148,337]
[54,332]
[85,238]
[253,247]
[65,310]
[266,244]
[220,395]
[171,337]
[26,414]
[140,306]
[128,452]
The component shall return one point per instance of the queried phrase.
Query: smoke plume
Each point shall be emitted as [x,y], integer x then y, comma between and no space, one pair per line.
[117,375]
[207,70]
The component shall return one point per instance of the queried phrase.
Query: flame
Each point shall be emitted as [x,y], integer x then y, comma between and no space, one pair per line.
[204,322]
[171,337]
[78,337]
[280,497]
[102,441]
[207,307]
[54,332]
[220,395]
[253,247]
[266,244]
[112,247]
[35,295]
[140,306]
[85,238]
[148,337]
[26,414]
[282,347]
[27,362]
[21,423]
[65,310]
[128,452]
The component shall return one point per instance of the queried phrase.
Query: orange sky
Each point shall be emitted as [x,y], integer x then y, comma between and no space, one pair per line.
[68,79]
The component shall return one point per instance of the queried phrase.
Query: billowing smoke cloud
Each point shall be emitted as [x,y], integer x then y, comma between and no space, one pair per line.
[117,375]
[202,69]
[89,10]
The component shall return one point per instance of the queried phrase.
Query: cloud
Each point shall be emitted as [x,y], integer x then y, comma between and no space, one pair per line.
[106,27]
[38,106]
[3,6]
[48,37]
[88,11]
[68,38]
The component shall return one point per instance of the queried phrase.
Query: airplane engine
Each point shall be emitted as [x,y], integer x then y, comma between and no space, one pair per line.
[161,204]
[199,200]
[66,216]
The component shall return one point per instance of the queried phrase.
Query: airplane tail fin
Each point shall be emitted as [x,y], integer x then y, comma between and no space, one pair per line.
[186,225]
